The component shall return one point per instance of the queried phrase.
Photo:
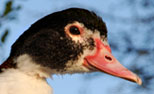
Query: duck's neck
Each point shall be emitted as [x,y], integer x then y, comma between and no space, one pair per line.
[26,78]
[14,81]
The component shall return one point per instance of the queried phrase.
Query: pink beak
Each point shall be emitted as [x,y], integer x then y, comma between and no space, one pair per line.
[104,61]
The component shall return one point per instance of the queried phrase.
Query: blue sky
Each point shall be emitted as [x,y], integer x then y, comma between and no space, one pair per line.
[72,84]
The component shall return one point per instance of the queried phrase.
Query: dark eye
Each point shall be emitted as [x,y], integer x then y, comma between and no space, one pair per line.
[74,30]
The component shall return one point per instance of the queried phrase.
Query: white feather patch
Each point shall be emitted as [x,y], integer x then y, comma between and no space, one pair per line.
[14,81]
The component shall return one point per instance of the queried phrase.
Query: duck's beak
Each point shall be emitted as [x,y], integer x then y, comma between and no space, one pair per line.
[104,61]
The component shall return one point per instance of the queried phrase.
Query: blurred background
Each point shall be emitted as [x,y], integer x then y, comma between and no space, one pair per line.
[130,26]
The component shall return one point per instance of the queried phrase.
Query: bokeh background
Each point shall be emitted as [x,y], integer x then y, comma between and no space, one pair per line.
[130,26]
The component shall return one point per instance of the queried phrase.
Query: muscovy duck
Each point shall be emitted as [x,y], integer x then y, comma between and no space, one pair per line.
[68,41]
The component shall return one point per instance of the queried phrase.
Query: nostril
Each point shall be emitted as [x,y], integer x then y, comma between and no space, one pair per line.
[108,58]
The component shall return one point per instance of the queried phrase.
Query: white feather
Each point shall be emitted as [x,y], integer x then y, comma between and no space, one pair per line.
[14,81]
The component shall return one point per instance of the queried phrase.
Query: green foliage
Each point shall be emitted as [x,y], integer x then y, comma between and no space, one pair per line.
[4,36]
[8,8]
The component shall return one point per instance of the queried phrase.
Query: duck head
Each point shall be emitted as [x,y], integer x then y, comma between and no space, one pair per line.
[69,41]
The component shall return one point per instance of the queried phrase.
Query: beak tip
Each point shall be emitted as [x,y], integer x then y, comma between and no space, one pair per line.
[138,81]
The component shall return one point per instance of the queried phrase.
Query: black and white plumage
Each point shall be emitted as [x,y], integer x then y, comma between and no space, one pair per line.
[69,41]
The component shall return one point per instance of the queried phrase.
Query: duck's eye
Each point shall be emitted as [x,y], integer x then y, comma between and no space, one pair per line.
[74,30]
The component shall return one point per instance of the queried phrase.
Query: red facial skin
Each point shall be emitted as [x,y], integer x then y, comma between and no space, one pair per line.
[104,61]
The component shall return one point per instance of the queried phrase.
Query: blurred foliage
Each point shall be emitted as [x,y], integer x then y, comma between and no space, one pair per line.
[9,13]
[8,8]
[4,35]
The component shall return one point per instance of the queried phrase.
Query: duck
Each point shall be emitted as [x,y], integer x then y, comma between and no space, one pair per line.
[69,41]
